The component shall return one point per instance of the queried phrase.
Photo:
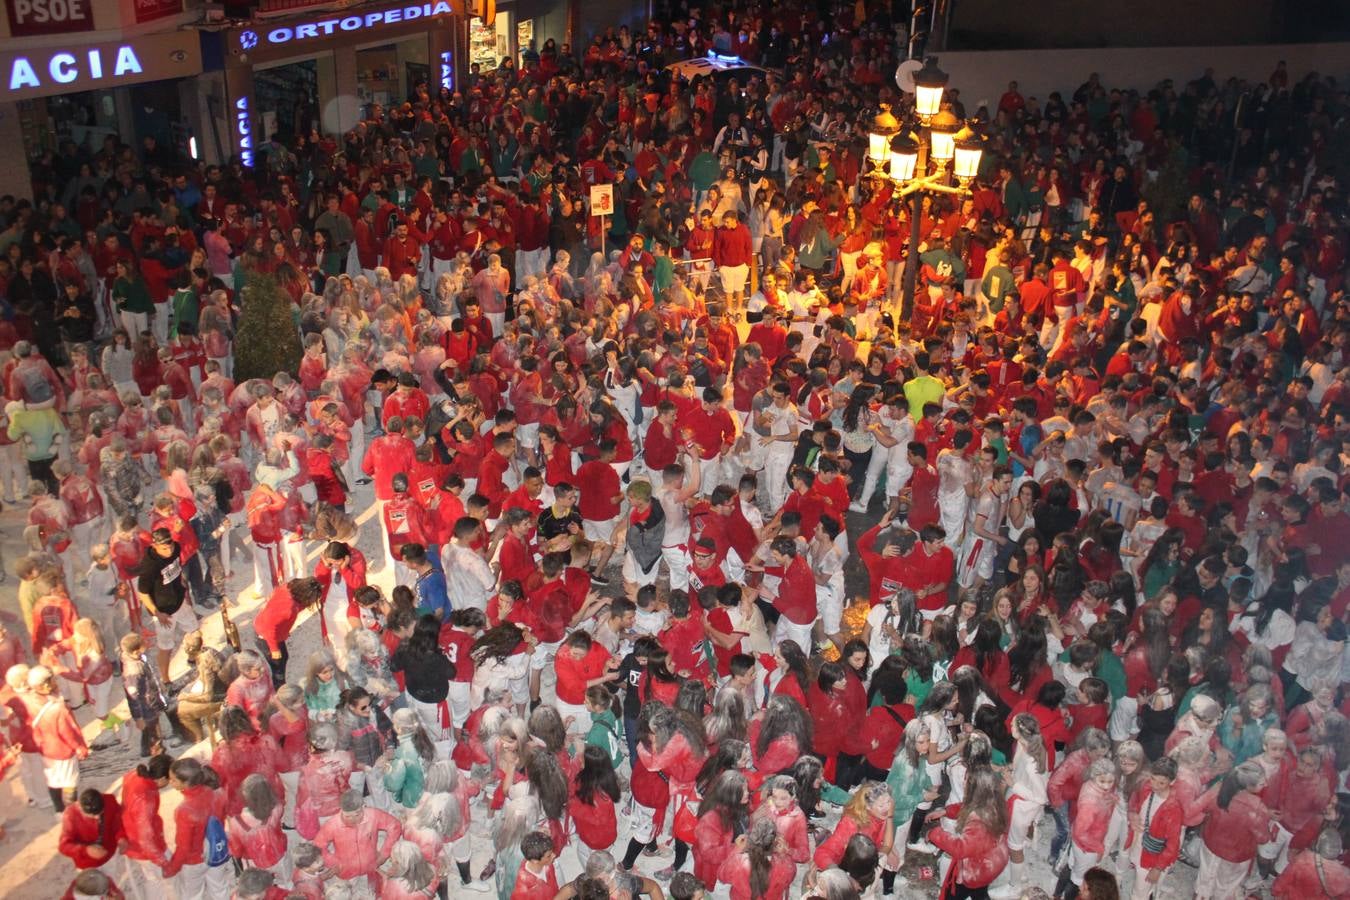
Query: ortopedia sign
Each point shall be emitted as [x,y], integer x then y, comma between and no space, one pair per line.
[43,71]
[291,34]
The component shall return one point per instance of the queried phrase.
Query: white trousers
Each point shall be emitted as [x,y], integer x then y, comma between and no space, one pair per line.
[776,466]
[141,879]
[787,630]
[201,882]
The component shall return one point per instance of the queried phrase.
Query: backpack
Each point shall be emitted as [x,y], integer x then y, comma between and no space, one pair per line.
[33,387]
[217,851]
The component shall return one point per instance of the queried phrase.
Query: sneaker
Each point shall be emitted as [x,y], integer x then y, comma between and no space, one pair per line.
[478,887]
[857,506]
[488,871]
[664,874]
[922,846]
[599,580]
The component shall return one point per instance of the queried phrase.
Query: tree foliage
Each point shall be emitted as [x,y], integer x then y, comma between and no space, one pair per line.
[268,340]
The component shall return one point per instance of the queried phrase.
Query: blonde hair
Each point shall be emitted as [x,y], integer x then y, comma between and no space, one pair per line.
[87,639]
[856,808]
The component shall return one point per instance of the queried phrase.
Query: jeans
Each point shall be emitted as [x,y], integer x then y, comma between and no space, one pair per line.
[1061,814]
[276,664]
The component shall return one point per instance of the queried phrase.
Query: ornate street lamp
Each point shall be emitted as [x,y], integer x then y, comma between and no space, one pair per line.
[918,152]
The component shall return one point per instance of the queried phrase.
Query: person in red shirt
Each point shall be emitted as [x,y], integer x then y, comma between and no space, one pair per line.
[407,401]
[713,433]
[930,570]
[402,253]
[91,829]
[492,472]
[732,249]
[536,879]
[923,487]
[581,664]
[276,619]
[404,519]
[388,455]
[795,598]
[601,502]
[517,552]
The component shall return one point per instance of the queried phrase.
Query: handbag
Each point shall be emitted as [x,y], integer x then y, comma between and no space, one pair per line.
[684,825]
[231,630]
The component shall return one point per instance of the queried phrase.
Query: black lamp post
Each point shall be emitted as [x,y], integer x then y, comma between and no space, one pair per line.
[913,155]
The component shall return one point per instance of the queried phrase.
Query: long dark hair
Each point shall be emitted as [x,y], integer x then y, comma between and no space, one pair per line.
[726,758]
[783,715]
[796,663]
[759,844]
[1026,657]
[1156,639]
[597,774]
[548,781]
[725,798]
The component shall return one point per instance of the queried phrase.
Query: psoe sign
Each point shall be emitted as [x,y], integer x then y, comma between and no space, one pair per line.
[43,71]
[284,35]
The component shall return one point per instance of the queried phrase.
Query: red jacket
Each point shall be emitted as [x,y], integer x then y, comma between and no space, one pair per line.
[274,621]
[978,856]
[796,598]
[353,574]
[1234,833]
[405,521]
[322,782]
[831,850]
[712,837]
[357,850]
[1302,880]
[141,822]
[574,673]
[884,728]
[596,822]
[1092,817]
[530,886]
[385,457]
[677,761]
[735,871]
[260,844]
[245,755]
[80,832]
[1067,779]
[732,247]
[55,731]
[199,804]
[1165,823]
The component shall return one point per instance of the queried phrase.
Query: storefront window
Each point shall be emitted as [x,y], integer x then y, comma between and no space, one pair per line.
[524,35]
[490,44]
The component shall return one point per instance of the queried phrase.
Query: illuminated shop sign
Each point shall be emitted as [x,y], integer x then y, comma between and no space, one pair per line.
[65,67]
[290,34]
[243,131]
[448,70]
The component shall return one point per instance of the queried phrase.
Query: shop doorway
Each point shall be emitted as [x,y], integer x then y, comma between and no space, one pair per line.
[287,99]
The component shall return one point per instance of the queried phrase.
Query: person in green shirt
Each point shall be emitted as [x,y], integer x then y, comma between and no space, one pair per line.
[606,732]
[186,306]
[132,298]
[924,388]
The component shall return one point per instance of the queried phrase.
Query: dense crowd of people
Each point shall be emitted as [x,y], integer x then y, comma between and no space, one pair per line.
[709,563]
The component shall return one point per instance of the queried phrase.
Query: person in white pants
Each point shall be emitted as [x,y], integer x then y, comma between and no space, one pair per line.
[779,425]
[674,494]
